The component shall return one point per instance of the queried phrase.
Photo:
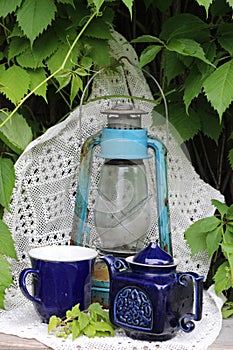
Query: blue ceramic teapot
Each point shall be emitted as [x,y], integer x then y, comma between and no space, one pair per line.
[149,299]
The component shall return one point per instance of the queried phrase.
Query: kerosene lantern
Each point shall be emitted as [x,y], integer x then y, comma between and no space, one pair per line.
[122,209]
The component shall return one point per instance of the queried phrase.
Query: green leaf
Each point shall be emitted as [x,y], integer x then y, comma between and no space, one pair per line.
[229,214]
[35,16]
[230,158]
[147,39]
[222,208]
[96,310]
[7,182]
[99,51]
[213,128]
[15,133]
[8,6]
[76,85]
[196,242]
[206,4]
[6,242]
[54,321]
[98,29]
[227,310]
[224,36]
[15,81]
[227,248]
[75,329]
[28,59]
[218,87]
[188,47]
[197,232]
[129,4]
[187,126]
[98,4]
[213,240]
[90,331]
[17,46]
[192,87]
[222,278]
[70,2]
[173,66]
[228,235]
[149,54]
[75,311]
[104,328]
[83,320]
[55,61]
[185,26]
[36,78]
[5,279]
[230,2]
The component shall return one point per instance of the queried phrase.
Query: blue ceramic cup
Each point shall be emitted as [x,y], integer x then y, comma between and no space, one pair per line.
[61,278]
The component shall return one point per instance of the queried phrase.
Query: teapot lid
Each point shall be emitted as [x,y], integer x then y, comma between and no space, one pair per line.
[153,255]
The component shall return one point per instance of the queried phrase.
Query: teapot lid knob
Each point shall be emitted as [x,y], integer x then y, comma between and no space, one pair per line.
[153,255]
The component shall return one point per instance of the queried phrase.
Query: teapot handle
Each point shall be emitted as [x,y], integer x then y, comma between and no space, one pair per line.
[185,322]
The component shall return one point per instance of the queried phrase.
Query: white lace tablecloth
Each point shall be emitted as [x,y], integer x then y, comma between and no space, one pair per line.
[42,209]
[24,322]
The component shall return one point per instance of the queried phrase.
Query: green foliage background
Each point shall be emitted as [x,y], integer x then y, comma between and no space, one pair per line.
[47,57]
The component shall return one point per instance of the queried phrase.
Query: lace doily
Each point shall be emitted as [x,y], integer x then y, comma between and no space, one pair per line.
[42,207]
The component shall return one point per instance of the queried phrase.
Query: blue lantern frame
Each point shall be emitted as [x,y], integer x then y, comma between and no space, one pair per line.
[124,144]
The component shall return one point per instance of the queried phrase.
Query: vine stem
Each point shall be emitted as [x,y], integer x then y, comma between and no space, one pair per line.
[54,73]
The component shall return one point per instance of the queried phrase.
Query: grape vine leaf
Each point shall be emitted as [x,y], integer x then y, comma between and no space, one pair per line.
[15,83]
[218,87]
[224,36]
[222,278]
[16,133]
[35,16]
[147,39]
[206,4]
[98,4]
[185,26]
[213,128]
[37,76]
[129,5]
[149,54]
[8,7]
[6,242]
[17,46]
[213,239]
[173,66]
[98,29]
[192,87]
[230,2]
[197,232]
[188,47]
[230,158]
[7,181]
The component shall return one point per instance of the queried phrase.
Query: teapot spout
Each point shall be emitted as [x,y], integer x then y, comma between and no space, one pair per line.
[114,264]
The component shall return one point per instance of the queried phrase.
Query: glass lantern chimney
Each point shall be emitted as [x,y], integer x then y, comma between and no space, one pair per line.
[122,211]
[122,207]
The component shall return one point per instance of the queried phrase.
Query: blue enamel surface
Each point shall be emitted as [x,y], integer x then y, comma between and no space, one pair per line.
[83,190]
[124,144]
[162,193]
[153,255]
[153,302]
[57,286]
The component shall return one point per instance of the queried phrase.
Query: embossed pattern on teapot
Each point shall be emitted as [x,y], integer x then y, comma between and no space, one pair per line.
[149,299]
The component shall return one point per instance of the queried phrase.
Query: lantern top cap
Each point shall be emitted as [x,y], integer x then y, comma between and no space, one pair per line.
[124,108]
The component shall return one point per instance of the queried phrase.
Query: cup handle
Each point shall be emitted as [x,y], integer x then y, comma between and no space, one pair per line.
[23,284]
[185,322]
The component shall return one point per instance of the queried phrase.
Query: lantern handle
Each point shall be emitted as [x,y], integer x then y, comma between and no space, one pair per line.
[144,71]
